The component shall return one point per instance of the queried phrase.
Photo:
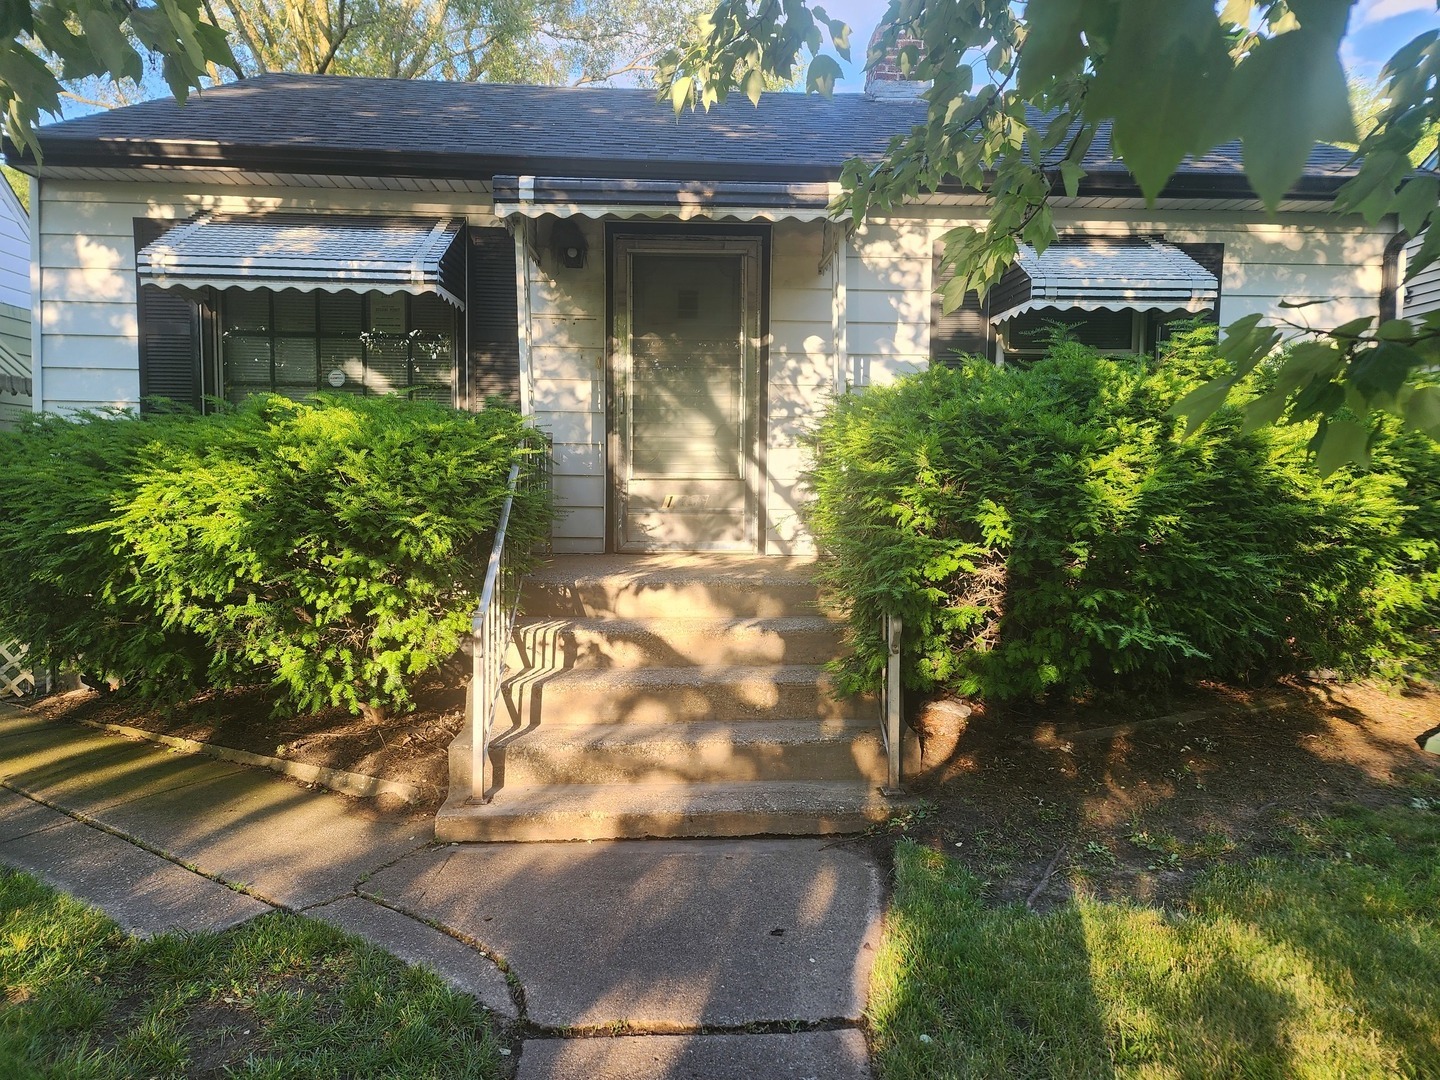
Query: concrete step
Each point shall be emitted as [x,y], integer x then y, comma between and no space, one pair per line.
[691,753]
[677,695]
[554,644]
[671,586]
[606,811]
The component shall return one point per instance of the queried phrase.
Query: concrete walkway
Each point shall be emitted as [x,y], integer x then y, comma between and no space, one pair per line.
[702,959]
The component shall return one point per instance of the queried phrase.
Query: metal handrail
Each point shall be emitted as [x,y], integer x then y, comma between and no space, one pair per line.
[491,627]
[891,702]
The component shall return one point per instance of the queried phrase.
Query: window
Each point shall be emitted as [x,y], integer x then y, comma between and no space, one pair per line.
[295,343]
[1028,333]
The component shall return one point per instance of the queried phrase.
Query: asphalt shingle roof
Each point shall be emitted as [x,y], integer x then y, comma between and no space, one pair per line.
[344,124]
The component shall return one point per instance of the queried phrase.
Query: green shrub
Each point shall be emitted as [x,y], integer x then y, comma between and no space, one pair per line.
[1046,530]
[65,587]
[334,548]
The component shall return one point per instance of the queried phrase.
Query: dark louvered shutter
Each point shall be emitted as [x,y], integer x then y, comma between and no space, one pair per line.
[169,325]
[1212,258]
[492,323]
[964,330]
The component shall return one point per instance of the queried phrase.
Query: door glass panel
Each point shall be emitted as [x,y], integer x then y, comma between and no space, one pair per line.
[687,388]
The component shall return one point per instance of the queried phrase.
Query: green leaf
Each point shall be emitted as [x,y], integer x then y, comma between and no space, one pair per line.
[1201,403]
[1071,174]
[1396,330]
[824,71]
[1354,328]
[1160,80]
[1054,46]
[1307,361]
[1380,371]
[104,35]
[1415,202]
[754,85]
[1340,443]
[1246,343]
[1422,410]
[1264,410]
[680,92]
[1288,94]
[1237,12]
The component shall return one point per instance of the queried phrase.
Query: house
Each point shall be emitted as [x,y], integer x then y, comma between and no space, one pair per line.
[15,399]
[1422,292]
[669,299]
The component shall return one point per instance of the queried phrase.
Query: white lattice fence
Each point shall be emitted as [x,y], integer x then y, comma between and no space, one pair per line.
[16,678]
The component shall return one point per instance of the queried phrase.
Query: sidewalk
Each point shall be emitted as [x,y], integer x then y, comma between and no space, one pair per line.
[693,944]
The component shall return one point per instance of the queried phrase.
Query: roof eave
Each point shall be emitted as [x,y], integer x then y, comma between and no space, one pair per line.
[141,154]
[147,154]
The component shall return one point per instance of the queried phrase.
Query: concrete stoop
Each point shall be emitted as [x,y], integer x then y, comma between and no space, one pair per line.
[672,696]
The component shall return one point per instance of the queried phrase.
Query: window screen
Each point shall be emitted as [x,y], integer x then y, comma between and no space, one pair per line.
[296,343]
[1108,331]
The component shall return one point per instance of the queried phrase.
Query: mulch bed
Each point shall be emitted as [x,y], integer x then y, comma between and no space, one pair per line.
[1037,814]
[409,748]
[1030,807]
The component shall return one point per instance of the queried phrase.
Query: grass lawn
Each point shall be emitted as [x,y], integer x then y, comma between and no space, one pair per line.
[1323,961]
[281,996]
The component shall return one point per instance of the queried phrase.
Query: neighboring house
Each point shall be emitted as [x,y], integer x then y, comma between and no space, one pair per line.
[1422,292]
[15,385]
[593,240]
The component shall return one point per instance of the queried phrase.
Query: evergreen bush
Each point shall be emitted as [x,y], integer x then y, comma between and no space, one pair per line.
[333,547]
[1046,530]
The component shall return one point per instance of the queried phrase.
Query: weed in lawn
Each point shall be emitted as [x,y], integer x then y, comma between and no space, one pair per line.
[1049,812]
[1099,856]
[1204,742]
[910,816]
[1158,842]
[1185,775]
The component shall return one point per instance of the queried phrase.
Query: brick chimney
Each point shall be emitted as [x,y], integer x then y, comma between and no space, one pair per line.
[885,80]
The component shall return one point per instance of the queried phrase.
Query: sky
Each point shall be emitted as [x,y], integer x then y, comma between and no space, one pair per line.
[1377,29]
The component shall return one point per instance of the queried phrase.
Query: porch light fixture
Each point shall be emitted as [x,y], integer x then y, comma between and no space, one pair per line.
[567,244]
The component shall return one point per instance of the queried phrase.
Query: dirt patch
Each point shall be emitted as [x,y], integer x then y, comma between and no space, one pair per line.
[1020,796]
[1038,812]
[408,748]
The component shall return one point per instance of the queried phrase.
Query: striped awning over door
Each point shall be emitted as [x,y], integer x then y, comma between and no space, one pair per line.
[310,252]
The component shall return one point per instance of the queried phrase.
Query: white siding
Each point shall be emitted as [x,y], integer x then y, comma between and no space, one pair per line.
[567,387]
[14,251]
[1422,292]
[887,301]
[802,373]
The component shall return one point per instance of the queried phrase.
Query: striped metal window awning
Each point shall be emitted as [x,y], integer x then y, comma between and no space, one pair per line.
[534,196]
[310,252]
[1104,273]
[14,374]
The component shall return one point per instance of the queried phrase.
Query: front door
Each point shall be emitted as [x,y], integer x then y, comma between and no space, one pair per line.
[683,430]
